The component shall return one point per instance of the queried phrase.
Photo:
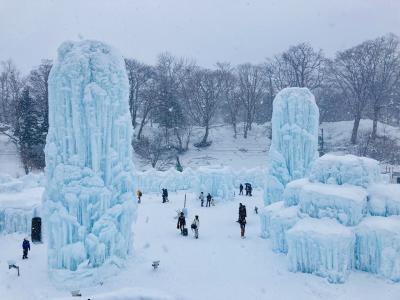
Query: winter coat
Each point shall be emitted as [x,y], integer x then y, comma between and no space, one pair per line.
[242,212]
[196,222]
[201,197]
[208,197]
[181,221]
[26,245]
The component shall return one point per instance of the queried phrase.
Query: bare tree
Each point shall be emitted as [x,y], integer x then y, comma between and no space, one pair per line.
[251,89]
[385,65]
[229,93]
[353,73]
[139,75]
[299,66]
[10,89]
[202,91]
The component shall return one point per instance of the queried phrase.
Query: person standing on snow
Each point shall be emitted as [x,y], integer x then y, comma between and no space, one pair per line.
[208,204]
[201,197]
[195,226]
[241,189]
[181,222]
[25,247]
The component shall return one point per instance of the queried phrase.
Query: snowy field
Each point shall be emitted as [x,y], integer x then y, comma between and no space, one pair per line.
[219,265]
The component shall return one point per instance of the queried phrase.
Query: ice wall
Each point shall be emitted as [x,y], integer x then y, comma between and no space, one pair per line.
[89,197]
[342,169]
[378,246]
[322,247]
[294,145]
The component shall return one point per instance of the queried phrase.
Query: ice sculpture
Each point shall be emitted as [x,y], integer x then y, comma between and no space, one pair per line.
[346,203]
[278,219]
[89,197]
[378,246]
[342,169]
[294,145]
[384,199]
[322,247]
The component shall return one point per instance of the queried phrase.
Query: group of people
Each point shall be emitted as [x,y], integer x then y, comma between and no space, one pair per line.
[248,188]
[209,198]
[194,226]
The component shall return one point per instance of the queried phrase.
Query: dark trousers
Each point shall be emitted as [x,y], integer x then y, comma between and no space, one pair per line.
[25,254]
[208,203]
[241,192]
[242,229]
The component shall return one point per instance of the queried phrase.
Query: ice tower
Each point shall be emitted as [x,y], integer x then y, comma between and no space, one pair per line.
[294,146]
[89,197]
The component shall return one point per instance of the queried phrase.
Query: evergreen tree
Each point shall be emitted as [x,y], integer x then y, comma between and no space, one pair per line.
[27,131]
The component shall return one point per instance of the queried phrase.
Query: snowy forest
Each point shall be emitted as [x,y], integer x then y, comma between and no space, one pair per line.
[176,94]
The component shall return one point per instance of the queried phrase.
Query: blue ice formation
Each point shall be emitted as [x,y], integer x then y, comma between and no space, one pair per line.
[277,221]
[346,203]
[384,199]
[322,247]
[378,246]
[294,146]
[350,169]
[342,217]
[89,197]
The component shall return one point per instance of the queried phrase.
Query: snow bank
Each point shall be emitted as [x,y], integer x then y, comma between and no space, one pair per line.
[291,194]
[378,246]
[294,145]
[322,247]
[350,169]
[90,194]
[384,199]
[346,203]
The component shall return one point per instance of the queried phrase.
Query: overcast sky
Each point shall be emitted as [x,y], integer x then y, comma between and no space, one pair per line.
[205,30]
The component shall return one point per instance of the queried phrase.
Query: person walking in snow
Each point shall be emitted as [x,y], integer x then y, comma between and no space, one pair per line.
[208,204]
[195,226]
[241,189]
[25,247]
[201,197]
[181,222]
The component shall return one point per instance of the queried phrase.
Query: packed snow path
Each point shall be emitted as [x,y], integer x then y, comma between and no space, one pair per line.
[219,265]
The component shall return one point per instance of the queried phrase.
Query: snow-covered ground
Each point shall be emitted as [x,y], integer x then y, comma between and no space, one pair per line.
[219,265]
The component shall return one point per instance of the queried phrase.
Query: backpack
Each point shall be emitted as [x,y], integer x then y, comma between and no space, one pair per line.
[193,226]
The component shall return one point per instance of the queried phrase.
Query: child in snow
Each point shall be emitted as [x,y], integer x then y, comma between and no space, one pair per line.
[25,247]
[195,226]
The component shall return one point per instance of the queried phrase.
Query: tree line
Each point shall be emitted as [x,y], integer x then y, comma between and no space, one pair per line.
[176,94]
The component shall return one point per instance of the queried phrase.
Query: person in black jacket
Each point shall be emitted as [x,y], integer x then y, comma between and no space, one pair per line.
[25,247]
[241,189]
[181,222]
[208,200]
